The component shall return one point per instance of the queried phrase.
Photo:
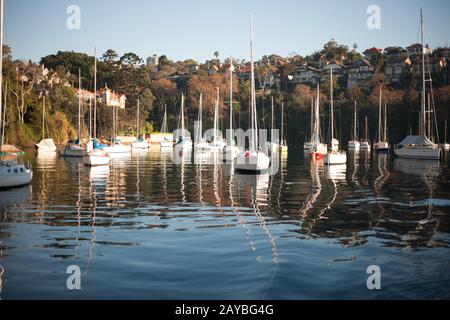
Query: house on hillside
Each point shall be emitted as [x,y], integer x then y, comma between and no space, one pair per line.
[306,74]
[359,72]
[111,98]
[395,68]
[394,53]
[339,71]
[372,54]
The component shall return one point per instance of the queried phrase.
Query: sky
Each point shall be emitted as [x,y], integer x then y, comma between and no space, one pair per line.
[183,29]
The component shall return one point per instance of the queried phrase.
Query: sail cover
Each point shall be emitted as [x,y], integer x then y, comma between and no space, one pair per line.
[416,140]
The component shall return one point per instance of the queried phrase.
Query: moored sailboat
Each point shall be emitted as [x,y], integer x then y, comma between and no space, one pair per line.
[365,144]
[184,140]
[254,160]
[231,149]
[317,148]
[140,142]
[420,146]
[12,173]
[283,144]
[382,144]
[46,144]
[95,155]
[334,156]
[354,144]
[75,148]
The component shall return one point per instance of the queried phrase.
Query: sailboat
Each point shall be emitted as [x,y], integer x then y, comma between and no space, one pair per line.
[12,173]
[116,146]
[46,144]
[382,144]
[254,160]
[273,146]
[200,143]
[318,149]
[283,144]
[140,143]
[217,143]
[231,149]
[334,155]
[164,129]
[184,140]
[354,144]
[75,148]
[445,145]
[365,144]
[308,145]
[420,146]
[95,156]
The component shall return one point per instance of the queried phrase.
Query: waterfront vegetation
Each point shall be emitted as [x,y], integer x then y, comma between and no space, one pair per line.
[56,77]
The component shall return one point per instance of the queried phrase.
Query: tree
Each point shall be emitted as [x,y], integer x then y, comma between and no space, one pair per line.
[110,56]
[132,60]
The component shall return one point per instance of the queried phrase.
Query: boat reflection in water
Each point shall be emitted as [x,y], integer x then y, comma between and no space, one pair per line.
[255,188]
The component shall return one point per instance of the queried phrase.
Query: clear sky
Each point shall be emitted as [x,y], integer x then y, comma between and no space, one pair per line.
[184,29]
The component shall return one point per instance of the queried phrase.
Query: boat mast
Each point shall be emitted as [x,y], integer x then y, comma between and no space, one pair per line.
[311,133]
[79,105]
[216,116]
[200,120]
[273,116]
[4,115]
[164,124]
[182,115]
[423,123]
[385,122]
[43,117]
[1,72]
[95,93]
[355,138]
[316,132]
[231,100]
[331,107]
[283,142]
[254,126]
[380,130]
[137,121]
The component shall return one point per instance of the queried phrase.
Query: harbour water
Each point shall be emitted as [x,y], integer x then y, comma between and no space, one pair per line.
[147,228]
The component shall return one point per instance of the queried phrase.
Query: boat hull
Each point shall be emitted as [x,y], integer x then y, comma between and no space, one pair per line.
[335,158]
[140,145]
[251,162]
[76,152]
[418,153]
[14,175]
[96,158]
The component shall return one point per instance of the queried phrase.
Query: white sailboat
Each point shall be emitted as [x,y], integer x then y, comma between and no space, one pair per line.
[254,160]
[184,141]
[164,129]
[308,145]
[445,145]
[12,173]
[231,149]
[140,143]
[217,143]
[200,143]
[273,146]
[283,144]
[75,148]
[420,146]
[334,156]
[354,144]
[318,149]
[94,155]
[116,147]
[365,144]
[382,144]
[46,144]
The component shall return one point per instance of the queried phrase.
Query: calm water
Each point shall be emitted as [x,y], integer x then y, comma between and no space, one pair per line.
[150,229]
